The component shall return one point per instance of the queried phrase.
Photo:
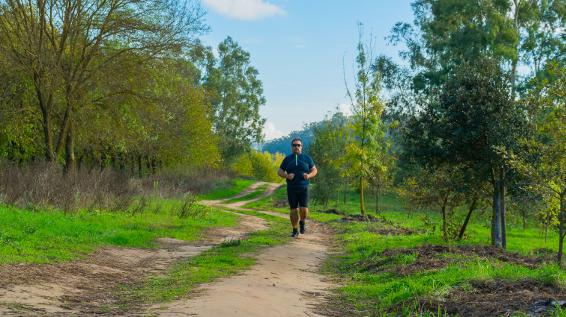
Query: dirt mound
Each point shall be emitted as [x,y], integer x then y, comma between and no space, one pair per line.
[360,218]
[389,227]
[333,211]
[433,257]
[499,298]
[394,231]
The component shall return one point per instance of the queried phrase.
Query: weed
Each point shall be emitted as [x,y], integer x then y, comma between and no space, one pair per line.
[230,243]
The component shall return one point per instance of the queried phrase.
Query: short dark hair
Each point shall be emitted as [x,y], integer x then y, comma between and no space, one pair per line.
[296,139]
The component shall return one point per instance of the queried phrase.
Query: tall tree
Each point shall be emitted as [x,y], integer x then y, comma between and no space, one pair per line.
[450,33]
[328,150]
[236,93]
[64,44]
[543,158]
[365,153]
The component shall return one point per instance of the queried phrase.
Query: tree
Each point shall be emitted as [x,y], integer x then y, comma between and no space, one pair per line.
[367,147]
[449,33]
[437,188]
[236,93]
[64,45]
[473,117]
[330,139]
[542,159]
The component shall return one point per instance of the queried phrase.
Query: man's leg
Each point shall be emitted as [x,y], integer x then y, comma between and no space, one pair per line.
[294,216]
[294,213]
[304,214]
[304,208]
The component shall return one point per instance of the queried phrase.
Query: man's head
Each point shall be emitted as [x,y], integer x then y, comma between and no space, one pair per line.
[297,146]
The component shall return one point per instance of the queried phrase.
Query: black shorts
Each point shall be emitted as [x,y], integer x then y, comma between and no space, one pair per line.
[298,197]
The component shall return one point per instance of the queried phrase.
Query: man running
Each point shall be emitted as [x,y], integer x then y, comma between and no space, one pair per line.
[297,169]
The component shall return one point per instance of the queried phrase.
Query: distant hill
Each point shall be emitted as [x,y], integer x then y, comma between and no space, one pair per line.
[283,144]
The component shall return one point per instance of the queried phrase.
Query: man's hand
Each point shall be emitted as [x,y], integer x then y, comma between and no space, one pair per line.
[290,176]
[306,176]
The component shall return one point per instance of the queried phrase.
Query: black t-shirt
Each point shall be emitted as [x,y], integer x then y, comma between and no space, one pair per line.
[297,164]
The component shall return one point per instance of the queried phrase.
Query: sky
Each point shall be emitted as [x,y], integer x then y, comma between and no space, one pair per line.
[299,48]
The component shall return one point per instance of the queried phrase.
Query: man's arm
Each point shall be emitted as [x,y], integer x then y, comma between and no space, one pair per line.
[312,173]
[284,174]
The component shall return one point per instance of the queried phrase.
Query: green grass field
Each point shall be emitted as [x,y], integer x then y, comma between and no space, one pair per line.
[372,283]
[52,236]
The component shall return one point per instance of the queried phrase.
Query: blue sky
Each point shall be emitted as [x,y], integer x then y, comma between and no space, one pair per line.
[298,47]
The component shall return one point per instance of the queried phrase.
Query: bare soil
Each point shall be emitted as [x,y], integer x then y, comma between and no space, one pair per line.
[89,286]
[434,257]
[284,281]
[499,298]
[388,228]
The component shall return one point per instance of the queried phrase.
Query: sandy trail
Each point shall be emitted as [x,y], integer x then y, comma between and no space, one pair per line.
[84,287]
[284,282]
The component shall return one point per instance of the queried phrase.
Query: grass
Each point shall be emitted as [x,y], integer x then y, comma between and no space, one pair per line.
[252,195]
[383,293]
[227,189]
[223,260]
[28,236]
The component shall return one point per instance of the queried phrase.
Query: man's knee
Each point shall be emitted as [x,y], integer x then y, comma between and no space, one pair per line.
[304,209]
[294,211]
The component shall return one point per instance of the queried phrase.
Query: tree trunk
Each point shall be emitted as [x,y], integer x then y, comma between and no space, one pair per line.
[140,167]
[502,209]
[561,229]
[377,199]
[468,216]
[49,155]
[496,217]
[524,216]
[444,222]
[345,193]
[45,107]
[362,206]
[63,131]
[70,151]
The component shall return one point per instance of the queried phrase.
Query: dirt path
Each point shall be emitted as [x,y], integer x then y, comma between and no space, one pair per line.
[284,282]
[86,287]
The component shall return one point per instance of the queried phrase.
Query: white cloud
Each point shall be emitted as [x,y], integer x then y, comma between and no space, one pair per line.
[244,9]
[345,108]
[271,132]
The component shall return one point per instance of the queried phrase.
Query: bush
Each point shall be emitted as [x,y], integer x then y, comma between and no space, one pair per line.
[45,185]
[261,166]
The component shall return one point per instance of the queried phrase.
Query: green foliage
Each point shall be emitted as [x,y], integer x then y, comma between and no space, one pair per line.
[169,102]
[328,151]
[259,165]
[236,93]
[366,146]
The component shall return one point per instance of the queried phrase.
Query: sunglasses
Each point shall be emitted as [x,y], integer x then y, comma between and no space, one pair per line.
[295,144]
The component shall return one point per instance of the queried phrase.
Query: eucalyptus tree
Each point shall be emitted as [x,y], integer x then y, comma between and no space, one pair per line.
[236,94]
